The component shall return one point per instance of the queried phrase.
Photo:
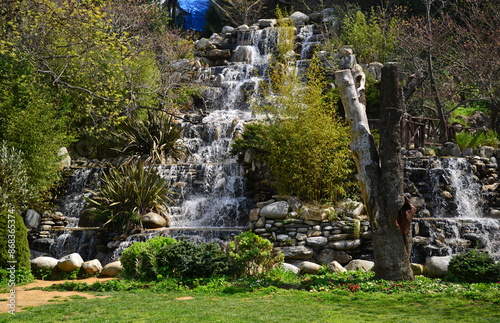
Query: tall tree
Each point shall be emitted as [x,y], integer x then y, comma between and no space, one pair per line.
[380,173]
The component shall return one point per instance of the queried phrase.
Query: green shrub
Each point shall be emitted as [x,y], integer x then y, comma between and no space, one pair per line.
[186,260]
[253,255]
[139,259]
[157,136]
[129,192]
[15,190]
[30,122]
[373,39]
[13,236]
[304,142]
[473,267]
[468,140]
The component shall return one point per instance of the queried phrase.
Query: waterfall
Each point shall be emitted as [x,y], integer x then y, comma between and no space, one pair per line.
[455,174]
[453,216]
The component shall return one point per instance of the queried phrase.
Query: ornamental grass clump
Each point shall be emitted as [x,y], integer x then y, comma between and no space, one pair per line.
[128,193]
[156,136]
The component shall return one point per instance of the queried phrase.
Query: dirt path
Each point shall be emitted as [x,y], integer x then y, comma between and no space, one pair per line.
[27,298]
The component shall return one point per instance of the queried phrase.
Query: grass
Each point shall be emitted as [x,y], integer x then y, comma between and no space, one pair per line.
[263,306]
[350,297]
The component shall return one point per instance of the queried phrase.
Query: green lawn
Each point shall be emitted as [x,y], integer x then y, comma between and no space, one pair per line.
[265,305]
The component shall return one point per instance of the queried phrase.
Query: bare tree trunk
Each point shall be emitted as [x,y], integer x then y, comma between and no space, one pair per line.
[443,127]
[381,181]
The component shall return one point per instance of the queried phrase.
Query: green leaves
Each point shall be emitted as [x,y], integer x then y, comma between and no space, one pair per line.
[129,192]
[157,136]
[253,255]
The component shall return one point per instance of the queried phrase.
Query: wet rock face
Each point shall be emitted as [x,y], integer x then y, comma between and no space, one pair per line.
[457,201]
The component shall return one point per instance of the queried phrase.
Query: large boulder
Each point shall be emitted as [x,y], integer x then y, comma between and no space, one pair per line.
[43,263]
[70,262]
[309,267]
[327,256]
[153,220]
[297,252]
[276,210]
[437,267]
[335,268]
[32,219]
[92,267]
[112,269]
[358,264]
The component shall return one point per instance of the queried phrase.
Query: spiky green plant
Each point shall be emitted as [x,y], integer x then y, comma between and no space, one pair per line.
[129,192]
[157,136]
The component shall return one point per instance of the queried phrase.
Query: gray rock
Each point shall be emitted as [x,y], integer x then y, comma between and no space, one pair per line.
[294,203]
[264,23]
[335,268]
[282,237]
[227,30]
[219,80]
[297,252]
[218,54]
[242,28]
[42,244]
[297,15]
[358,264]
[277,210]
[290,267]
[261,222]
[350,208]
[313,214]
[181,65]
[242,54]
[316,241]
[66,159]
[309,267]
[325,256]
[301,236]
[467,152]
[153,220]
[203,44]
[344,244]
[32,219]
[216,39]
[253,215]
[92,267]
[42,263]
[70,262]
[437,267]
[495,214]
[112,269]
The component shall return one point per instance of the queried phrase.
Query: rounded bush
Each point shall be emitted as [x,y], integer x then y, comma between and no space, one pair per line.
[13,237]
[473,267]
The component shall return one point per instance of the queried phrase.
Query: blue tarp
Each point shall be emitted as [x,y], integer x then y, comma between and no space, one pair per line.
[195,11]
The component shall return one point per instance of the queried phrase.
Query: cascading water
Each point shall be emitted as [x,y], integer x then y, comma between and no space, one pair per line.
[453,217]
[309,41]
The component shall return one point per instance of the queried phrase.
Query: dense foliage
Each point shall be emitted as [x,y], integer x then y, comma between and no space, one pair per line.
[157,136]
[13,237]
[128,193]
[253,255]
[474,267]
[161,257]
[304,142]
[140,259]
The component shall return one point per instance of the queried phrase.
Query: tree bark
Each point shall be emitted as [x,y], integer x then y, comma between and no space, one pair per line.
[381,176]
[413,83]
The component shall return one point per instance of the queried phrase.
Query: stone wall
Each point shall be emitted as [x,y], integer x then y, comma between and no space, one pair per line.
[321,235]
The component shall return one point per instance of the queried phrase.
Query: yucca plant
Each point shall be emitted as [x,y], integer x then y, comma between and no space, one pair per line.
[129,192]
[157,136]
